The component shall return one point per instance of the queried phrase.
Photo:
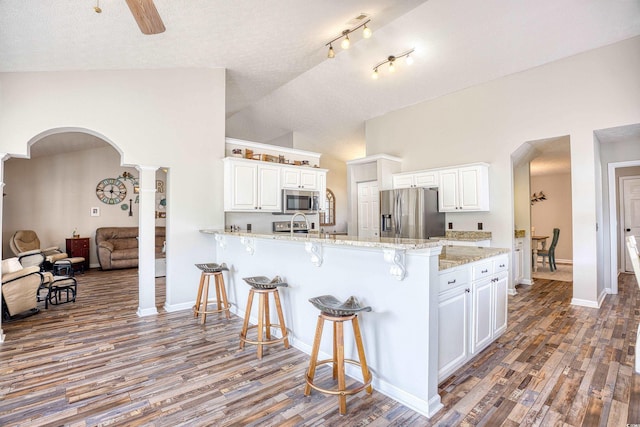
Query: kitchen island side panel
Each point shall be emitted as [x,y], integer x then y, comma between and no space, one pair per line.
[400,333]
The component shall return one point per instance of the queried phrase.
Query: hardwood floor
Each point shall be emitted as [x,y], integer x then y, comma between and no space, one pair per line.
[94,362]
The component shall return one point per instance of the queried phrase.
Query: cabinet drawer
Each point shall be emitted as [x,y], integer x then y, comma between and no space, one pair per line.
[452,278]
[481,270]
[501,264]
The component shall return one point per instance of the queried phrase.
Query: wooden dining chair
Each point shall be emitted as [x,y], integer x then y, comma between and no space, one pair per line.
[632,247]
[550,253]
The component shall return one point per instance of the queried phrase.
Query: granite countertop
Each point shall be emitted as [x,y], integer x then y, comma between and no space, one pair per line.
[339,240]
[453,256]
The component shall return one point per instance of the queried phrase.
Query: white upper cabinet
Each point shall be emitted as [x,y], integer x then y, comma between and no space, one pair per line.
[269,193]
[251,186]
[416,179]
[465,188]
[256,186]
[302,178]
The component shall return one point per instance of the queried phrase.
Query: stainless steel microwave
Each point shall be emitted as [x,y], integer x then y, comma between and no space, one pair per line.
[299,201]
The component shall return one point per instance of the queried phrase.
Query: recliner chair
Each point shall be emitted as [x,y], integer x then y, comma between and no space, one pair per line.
[20,287]
[25,244]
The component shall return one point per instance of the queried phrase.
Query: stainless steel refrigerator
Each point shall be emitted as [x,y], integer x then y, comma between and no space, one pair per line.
[411,213]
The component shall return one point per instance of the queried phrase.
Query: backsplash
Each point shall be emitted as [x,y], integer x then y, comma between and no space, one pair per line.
[468,235]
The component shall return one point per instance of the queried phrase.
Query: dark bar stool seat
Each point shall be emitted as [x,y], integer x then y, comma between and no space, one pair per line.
[202,300]
[337,312]
[263,286]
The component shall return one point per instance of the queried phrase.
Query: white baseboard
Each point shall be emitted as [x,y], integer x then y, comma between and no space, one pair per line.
[527,282]
[585,303]
[170,308]
[146,311]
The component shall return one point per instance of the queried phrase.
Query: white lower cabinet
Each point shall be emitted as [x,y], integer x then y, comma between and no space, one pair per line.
[472,311]
[482,296]
[453,337]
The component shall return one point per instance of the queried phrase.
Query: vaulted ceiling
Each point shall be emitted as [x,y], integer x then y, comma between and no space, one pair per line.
[279,79]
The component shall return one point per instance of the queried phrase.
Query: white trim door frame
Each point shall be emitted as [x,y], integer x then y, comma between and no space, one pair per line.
[613,220]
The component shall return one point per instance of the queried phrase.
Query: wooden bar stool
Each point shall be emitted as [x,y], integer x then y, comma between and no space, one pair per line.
[334,311]
[202,300]
[264,286]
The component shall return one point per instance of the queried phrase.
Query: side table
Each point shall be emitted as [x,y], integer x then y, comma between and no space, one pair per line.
[79,247]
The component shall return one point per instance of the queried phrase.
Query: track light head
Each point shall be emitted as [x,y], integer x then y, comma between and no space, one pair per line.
[346,42]
[332,53]
[408,59]
[366,32]
[375,76]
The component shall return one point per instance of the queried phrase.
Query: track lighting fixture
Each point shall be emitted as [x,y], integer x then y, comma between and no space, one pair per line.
[97,7]
[391,60]
[346,42]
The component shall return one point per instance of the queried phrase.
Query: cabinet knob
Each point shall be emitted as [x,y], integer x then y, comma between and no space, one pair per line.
[467,290]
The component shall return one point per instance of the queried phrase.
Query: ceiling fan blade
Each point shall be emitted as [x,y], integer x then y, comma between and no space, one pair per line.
[146,15]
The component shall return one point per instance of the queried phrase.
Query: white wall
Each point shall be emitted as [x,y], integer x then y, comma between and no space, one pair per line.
[172,118]
[574,96]
[555,212]
[337,182]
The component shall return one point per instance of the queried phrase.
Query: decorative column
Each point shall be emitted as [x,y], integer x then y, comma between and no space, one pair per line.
[146,242]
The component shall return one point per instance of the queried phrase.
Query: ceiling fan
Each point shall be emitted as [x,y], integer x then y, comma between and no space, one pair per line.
[145,14]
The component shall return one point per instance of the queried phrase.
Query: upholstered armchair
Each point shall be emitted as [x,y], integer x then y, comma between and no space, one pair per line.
[25,244]
[20,287]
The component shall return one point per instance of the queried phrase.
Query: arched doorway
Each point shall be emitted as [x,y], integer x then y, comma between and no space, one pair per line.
[53,190]
[542,202]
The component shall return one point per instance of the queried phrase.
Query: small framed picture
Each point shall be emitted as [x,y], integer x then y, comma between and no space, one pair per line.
[95,211]
[159,186]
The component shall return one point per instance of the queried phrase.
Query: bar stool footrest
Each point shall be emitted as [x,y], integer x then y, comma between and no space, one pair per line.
[272,341]
[197,311]
[337,392]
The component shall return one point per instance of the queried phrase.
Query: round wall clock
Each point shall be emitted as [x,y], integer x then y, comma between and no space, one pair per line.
[111,191]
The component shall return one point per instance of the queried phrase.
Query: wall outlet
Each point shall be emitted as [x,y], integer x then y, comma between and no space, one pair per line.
[450,226]
[479,226]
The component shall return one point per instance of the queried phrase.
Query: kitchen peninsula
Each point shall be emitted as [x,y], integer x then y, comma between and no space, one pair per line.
[398,278]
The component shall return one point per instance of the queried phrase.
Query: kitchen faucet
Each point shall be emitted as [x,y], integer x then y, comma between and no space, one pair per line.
[294,217]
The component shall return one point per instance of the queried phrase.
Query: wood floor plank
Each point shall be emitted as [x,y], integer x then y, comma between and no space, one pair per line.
[95,362]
